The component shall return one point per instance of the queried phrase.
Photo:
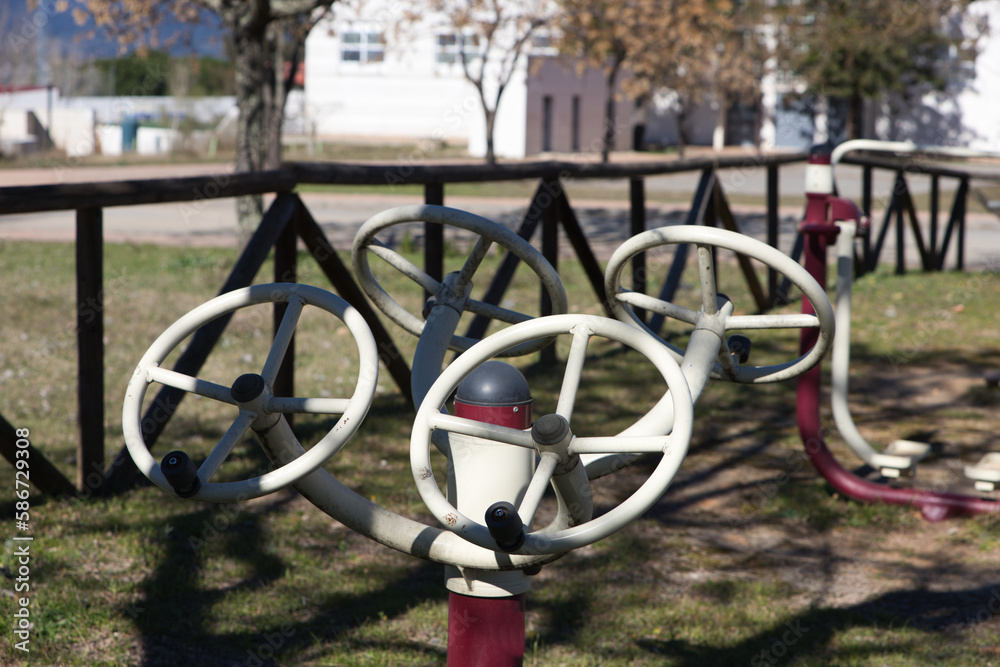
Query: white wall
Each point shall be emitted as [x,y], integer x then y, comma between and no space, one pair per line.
[509,128]
[109,139]
[15,125]
[20,132]
[980,103]
[156,140]
[116,109]
[73,131]
[407,96]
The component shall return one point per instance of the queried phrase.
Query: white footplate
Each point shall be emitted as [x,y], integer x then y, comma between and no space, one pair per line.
[986,473]
[900,457]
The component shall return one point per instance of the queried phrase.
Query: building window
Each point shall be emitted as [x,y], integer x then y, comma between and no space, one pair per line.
[451,46]
[362,47]
[575,124]
[547,123]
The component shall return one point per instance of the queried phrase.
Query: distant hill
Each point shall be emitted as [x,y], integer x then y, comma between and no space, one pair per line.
[18,30]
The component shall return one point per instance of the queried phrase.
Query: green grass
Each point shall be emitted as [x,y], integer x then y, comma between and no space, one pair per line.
[739,562]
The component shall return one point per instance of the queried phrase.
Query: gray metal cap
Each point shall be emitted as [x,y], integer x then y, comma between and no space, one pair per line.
[494,383]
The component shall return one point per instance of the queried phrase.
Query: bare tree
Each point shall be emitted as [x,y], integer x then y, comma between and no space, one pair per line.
[267,38]
[491,39]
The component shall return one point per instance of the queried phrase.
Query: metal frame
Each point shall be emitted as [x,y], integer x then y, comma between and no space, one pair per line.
[480,567]
[823,225]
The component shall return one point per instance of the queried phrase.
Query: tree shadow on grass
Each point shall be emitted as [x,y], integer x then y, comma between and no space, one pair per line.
[175,614]
[812,637]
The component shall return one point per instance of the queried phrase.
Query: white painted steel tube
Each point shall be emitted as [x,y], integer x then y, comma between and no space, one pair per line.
[841,360]
[384,526]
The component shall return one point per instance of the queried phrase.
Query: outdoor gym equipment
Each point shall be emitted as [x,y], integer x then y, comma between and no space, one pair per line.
[900,456]
[258,408]
[832,219]
[500,460]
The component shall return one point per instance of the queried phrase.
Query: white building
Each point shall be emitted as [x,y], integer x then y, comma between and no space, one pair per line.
[968,113]
[363,82]
[366,82]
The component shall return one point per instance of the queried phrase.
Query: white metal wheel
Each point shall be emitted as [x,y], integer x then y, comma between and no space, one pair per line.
[263,407]
[622,301]
[582,328]
[489,232]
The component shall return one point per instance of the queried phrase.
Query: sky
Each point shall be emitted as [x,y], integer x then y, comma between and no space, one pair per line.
[44,26]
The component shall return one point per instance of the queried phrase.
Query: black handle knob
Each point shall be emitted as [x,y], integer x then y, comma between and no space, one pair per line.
[740,346]
[505,526]
[181,473]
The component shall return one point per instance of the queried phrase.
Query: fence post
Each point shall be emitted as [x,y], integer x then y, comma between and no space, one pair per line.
[286,271]
[961,197]
[637,220]
[90,341]
[433,236]
[550,250]
[866,206]
[904,195]
[932,241]
[772,229]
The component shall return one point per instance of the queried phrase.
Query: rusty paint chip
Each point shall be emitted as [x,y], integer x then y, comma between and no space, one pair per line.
[450,519]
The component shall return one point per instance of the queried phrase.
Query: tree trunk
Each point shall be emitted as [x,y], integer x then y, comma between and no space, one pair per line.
[491,117]
[251,61]
[608,141]
[854,115]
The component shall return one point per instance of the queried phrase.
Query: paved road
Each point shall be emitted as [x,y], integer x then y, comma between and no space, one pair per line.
[605,220]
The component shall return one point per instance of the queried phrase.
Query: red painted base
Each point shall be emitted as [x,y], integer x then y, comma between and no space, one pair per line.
[485,632]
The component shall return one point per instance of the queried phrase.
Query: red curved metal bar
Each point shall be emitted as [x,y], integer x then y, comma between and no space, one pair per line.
[933,505]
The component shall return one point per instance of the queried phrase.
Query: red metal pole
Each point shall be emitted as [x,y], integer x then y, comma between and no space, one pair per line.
[485,632]
[489,631]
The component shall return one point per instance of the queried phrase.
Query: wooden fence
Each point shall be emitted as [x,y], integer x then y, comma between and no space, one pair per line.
[288,220]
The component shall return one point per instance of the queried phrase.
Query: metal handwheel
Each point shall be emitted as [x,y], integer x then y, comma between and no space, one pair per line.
[251,394]
[706,238]
[456,288]
[558,448]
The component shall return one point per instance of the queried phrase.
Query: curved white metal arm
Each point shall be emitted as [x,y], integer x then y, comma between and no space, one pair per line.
[901,455]
[904,147]
[388,528]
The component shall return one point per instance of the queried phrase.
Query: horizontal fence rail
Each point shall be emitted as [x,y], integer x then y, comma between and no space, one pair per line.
[288,220]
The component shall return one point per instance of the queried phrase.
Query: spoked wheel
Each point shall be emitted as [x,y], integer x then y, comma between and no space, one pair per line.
[251,394]
[706,239]
[558,448]
[455,289]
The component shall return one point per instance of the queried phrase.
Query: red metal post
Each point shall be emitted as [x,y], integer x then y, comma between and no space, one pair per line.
[489,631]
[485,632]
